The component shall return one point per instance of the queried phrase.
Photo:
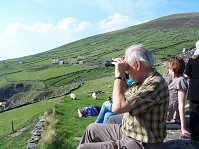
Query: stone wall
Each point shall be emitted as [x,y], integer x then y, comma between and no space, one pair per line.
[36,133]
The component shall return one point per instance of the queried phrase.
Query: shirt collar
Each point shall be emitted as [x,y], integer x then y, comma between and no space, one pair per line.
[151,73]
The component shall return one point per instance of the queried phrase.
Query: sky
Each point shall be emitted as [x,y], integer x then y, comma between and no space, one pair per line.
[30,27]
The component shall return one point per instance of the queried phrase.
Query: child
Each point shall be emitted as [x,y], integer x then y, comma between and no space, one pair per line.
[177,93]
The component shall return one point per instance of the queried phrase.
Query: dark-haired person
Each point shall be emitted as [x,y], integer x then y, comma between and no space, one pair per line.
[192,70]
[144,105]
[88,111]
[178,87]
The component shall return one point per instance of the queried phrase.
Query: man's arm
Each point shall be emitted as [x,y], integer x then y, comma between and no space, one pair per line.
[120,104]
[146,98]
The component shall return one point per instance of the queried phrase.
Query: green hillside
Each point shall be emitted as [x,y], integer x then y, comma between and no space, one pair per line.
[37,77]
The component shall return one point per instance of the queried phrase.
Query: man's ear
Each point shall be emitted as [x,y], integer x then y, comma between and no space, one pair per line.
[137,65]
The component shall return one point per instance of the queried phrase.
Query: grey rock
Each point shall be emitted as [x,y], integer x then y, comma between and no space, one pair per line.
[179,144]
[31,146]
[174,140]
[173,126]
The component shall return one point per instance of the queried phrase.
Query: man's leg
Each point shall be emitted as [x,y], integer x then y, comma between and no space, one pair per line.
[107,136]
[98,145]
[101,133]
[100,136]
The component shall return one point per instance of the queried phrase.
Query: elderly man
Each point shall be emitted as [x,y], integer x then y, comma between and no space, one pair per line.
[144,106]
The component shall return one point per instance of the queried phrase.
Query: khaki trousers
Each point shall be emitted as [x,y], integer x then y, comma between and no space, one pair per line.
[110,136]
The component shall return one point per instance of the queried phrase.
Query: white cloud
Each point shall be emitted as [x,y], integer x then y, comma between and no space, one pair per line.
[26,39]
[117,21]
[15,28]
[65,26]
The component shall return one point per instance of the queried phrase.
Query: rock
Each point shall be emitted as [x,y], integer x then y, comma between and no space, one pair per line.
[173,139]
[31,146]
[39,125]
[173,126]
[178,144]
[36,133]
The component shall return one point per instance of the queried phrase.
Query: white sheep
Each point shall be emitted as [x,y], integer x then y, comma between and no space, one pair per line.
[183,50]
[72,96]
[94,96]
[187,106]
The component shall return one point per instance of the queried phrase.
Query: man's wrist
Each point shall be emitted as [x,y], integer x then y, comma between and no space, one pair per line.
[120,78]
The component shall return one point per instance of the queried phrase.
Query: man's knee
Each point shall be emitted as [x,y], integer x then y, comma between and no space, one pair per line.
[91,127]
[105,103]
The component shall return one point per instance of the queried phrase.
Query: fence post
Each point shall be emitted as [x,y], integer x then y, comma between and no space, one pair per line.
[12,126]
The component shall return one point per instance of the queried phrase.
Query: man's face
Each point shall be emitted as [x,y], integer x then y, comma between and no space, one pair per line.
[131,70]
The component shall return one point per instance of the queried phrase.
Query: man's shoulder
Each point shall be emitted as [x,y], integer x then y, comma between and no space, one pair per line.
[157,78]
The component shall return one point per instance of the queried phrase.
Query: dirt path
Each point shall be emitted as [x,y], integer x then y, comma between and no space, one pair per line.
[19,132]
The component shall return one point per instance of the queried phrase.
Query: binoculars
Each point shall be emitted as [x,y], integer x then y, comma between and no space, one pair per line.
[109,64]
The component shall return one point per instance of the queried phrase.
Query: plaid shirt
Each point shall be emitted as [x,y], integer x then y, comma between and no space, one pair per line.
[148,99]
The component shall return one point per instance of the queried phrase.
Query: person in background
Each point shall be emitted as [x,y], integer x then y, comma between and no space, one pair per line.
[115,119]
[106,109]
[177,92]
[105,112]
[88,111]
[144,105]
[192,71]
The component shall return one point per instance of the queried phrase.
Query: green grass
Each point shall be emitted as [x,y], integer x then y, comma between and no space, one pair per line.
[44,74]
[26,116]
[69,124]
[44,77]
[19,142]
[39,85]
[3,81]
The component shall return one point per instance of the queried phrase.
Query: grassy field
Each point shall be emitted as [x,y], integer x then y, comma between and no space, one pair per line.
[44,74]
[66,114]
[44,80]
[24,117]
[69,124]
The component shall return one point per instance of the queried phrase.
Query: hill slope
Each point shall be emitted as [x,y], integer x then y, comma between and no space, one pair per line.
[34,78]
[184,20]
[44,79]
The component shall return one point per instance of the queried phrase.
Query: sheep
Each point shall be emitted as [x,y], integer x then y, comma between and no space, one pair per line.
[94,96]
[187,106]
[72,96]
[183,50]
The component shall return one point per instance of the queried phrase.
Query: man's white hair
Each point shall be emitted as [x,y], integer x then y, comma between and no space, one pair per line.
[139,53]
